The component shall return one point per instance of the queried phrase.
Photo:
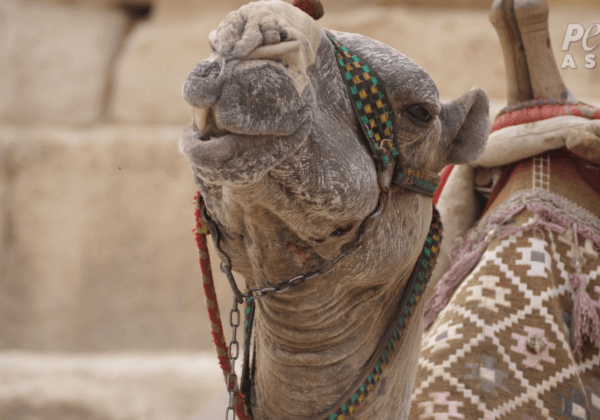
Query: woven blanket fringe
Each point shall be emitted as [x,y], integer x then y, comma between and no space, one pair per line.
[214,315]
[585,318]
[464,255]
[449,283]
[468,251]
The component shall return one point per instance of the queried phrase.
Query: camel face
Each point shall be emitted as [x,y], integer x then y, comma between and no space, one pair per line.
[273,124]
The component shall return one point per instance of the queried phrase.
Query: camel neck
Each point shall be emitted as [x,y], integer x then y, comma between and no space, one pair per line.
[319,349]
[314,353]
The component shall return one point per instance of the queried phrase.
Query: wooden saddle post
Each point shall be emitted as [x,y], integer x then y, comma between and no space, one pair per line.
[531,68]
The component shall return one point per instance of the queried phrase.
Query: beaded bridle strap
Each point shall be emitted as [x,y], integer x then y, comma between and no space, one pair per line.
[375,114]
[392,339]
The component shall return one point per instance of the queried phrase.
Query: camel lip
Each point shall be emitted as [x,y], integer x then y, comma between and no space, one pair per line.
[222,136]
[239,159]
[204,129]
[215,135]
[209,134]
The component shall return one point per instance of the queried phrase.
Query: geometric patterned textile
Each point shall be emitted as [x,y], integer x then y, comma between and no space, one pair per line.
[501,348]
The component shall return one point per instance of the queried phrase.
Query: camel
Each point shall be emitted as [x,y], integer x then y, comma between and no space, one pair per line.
[290,184]
[513,325]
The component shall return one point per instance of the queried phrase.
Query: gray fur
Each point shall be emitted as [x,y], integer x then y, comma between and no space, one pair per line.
[285,173]
[202,88]
[249,105]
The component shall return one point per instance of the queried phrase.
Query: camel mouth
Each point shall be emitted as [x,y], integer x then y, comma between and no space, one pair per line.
[205,132]
[204,125]
[223,157]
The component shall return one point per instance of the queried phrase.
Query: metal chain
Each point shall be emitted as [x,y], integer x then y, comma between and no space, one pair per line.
[234,322]
[328,266]
[297,281]
[256,293]
[238,297]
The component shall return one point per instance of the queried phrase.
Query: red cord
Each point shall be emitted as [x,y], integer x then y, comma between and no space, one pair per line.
[214,315]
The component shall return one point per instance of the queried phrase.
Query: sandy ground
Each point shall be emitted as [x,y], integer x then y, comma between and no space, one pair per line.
[42,386]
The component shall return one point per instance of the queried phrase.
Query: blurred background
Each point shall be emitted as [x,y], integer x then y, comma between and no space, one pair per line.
[102,313]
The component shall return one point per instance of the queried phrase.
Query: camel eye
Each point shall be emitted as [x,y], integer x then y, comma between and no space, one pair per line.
[342,231]
[418,114]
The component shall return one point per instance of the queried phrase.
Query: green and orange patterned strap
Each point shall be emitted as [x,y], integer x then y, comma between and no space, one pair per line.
[369,101]
[395,333]
[376,118]
[417,180]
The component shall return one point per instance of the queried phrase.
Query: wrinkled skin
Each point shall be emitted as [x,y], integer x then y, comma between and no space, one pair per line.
[278,156]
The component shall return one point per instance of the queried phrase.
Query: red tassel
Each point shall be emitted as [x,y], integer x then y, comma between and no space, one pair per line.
[313,8]
[585,318]
[212,305]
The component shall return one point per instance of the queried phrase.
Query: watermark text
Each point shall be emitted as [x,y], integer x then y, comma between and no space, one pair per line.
[577,33]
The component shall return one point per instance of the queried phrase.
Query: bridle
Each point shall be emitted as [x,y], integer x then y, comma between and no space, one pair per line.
[375,117]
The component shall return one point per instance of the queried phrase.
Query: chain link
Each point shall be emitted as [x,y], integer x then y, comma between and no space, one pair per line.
[294,282]
[234,323]
[328,266]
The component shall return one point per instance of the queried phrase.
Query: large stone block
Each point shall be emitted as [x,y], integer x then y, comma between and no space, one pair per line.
[55,61]
[96,244]
[155,61]
[327,3]
[174,386]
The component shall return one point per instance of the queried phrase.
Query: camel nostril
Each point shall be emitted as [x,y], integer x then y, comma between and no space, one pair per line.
[202,88]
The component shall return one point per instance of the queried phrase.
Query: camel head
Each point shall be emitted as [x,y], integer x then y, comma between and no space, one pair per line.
[278,155]
[271,116]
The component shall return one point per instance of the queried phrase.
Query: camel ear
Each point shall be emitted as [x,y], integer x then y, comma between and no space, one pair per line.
[465,126]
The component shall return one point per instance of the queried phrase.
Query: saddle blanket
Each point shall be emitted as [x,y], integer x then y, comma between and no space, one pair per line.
[501,349]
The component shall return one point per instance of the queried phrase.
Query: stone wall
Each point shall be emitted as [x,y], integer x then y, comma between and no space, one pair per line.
[96,250]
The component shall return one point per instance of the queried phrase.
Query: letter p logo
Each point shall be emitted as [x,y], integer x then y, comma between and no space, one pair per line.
[574,32]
